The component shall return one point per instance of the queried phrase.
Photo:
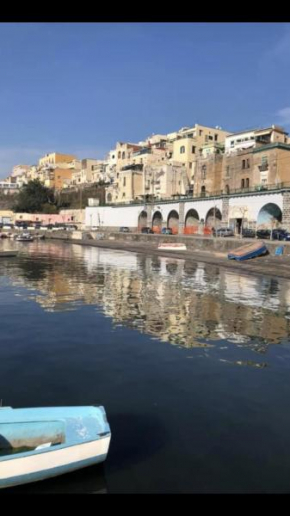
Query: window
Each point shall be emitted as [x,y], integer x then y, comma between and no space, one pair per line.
[124,181]
[232,143]
[216,137]
[117,175]
[203,191]
[92,167]
[200,132]
[124,194]
[193,149]
[242,183]
[244,163]
[113,157]
[203,172]
[190,164]
[119,154]
[182,149]
[248,163]
[247,182]
[206,138]
[227,189]
[123,155]
[227,171]
[210,137]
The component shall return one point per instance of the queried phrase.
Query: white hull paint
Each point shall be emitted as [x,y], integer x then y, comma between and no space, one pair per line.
[51,459]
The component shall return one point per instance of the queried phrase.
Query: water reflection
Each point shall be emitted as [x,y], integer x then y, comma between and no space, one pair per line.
[186,304]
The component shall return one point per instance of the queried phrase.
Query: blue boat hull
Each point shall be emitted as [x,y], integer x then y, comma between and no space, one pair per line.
[41,443]
[247,255]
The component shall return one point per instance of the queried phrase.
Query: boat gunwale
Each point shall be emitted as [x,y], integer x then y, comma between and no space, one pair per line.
[55,448]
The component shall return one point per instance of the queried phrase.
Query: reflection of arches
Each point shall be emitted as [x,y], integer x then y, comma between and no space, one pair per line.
[109,197]
[172,221]
[157,222]
[142,219]
[171,267]
[213,217]
[192,218]
[269,216]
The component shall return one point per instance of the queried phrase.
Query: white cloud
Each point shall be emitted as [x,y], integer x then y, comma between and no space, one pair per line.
[284,116]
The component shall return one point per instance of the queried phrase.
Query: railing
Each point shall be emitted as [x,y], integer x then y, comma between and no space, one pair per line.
[210,195]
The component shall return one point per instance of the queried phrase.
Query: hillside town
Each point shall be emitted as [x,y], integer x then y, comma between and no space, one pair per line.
[194,161]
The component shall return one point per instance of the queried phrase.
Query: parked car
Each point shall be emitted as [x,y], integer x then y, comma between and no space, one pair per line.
[124,229]
[279,234]
[248,233]
[263,233]
[71,227]
[224,232]
[147,230]
[166,231]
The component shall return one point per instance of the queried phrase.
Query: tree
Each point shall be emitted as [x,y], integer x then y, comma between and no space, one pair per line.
[34,198]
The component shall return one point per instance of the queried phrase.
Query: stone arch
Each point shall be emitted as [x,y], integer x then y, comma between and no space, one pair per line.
[173,221]
[157,222]
[269,216]
[213,217]
[142,219]
[191,222]
[192,218]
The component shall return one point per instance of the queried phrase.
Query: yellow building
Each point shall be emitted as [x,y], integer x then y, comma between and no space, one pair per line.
[188,144]
[57,178]
[55,158]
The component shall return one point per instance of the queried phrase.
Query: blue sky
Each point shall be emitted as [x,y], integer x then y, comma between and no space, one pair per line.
[81,87]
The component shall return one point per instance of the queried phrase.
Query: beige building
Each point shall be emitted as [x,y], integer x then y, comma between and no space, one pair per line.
[246,140]
[55,158]
[85,174]
[208,172]
[57,178]
[20,170]
[258,168]
[164,181]
[188,144]
[127,187]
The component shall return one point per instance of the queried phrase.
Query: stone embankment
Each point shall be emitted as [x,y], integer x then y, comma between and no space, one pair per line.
[199,249]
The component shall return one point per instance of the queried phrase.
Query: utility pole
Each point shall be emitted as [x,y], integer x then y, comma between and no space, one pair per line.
[81,200]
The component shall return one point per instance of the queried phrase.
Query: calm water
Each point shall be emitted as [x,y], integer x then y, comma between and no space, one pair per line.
[192,363]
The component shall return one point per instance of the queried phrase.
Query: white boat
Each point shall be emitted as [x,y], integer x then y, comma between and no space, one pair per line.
[24,237]
[40,443]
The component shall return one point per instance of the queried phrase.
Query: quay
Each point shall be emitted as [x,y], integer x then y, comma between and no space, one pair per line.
[208,250]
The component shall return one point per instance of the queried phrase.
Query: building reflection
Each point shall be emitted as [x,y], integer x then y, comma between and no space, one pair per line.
[186,304]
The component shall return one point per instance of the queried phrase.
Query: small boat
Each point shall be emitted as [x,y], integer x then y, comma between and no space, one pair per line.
[7,254]
[245,252]
[24,237]
[40,443]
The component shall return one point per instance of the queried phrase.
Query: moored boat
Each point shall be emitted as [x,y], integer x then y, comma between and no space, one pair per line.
[24,237]
[40,443]
[245,252]
[7,254]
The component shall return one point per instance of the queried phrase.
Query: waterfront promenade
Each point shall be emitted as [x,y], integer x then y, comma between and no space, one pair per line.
[199,249]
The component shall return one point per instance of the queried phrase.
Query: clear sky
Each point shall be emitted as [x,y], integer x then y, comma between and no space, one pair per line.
[81,87]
